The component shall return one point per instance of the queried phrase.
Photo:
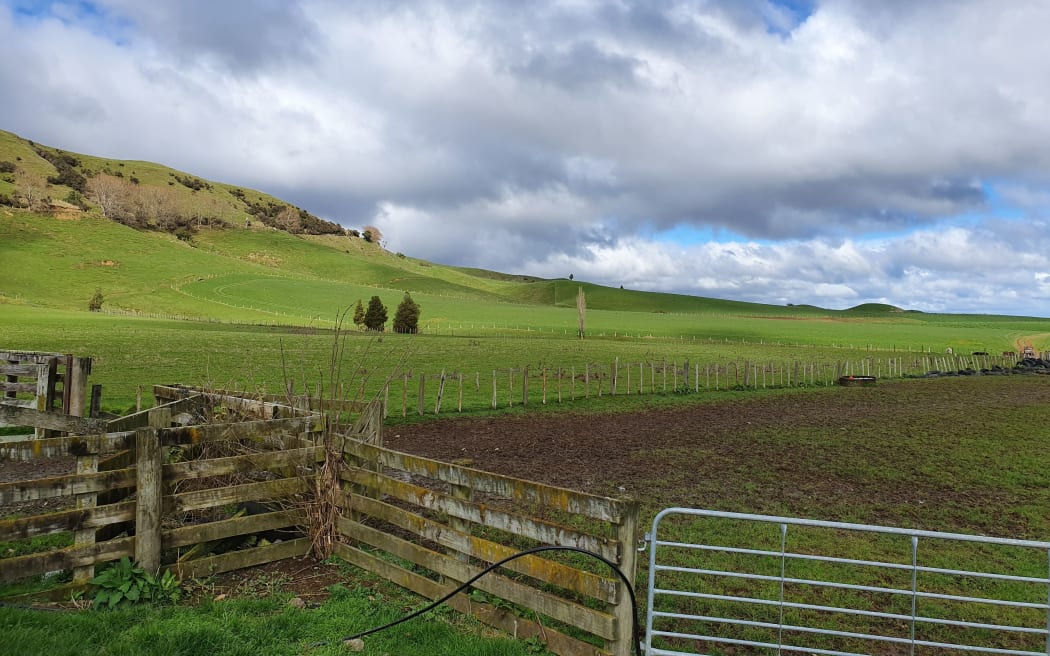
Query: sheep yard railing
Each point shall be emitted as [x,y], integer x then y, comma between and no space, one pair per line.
[430,525]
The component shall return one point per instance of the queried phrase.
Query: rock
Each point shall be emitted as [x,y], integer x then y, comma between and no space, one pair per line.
[296,602]
[357,644]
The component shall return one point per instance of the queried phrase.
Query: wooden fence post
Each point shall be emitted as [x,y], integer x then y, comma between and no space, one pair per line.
[422,391]
[626,535]
[76,382]
[149,484]
[86,464]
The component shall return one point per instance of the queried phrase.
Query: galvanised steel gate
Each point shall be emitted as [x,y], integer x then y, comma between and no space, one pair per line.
[732,583]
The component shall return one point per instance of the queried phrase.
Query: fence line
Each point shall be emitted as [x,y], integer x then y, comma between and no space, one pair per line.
[512,386]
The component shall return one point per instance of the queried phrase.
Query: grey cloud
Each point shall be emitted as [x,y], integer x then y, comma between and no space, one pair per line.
[240,36]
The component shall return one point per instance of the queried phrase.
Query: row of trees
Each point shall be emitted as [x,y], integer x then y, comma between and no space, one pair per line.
[147,206]
[406,319]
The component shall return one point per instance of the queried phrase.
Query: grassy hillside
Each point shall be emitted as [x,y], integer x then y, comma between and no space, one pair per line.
[242,294]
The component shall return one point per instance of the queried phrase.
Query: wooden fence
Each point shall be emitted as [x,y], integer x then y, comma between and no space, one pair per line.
[429,526]
[160,486]
[148,487]
[46,382]
[422,392]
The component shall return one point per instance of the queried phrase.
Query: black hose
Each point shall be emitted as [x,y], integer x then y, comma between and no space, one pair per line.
[636,630]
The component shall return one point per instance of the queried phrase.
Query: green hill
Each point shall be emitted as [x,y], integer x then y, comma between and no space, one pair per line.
[213,250]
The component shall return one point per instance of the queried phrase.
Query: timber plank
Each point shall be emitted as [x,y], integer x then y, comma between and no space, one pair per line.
[226,528]
[268,490]
[67,520]
[246,404]
[17,369]
[536,529]
[258,431]
[241,559]
[587,619]
[267,460]
[579,503]
[564,576]
[65,486]
[23,416]
[513,625]
[141,419]
[51,447]
[20,567]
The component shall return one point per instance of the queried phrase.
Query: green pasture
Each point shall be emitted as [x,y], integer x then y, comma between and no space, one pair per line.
[262,623]
[136,352]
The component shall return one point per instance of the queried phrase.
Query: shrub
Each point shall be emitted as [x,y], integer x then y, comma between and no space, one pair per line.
[95,304]
[7,167]
[125,582]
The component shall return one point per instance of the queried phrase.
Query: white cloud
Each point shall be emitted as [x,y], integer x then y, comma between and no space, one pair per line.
[555,136]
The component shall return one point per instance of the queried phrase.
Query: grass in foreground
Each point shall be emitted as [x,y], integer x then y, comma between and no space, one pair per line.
[249,627]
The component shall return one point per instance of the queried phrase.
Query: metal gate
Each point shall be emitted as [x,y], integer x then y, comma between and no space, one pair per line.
[732,583]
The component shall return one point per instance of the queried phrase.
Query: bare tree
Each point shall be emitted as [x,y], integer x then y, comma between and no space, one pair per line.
[109,193]
[288,219]
[581,311]
[30,186]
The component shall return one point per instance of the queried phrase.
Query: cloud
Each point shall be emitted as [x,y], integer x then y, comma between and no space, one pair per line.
[548,136]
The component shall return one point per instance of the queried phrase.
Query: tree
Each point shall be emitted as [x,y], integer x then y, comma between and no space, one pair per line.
[406,319]
[95,304]
[581,310]
[108,192]
[372,235]
[30,186]
[359,314]
[375,315]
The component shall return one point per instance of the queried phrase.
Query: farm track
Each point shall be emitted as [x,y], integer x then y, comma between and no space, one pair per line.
[957,454]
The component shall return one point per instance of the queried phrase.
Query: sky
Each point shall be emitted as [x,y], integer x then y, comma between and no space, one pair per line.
[808,152]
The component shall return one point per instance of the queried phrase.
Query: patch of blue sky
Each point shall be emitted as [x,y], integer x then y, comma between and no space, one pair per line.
[786,15]
[688,235]
[80,13]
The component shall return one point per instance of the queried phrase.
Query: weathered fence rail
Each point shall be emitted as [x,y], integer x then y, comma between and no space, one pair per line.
[430,525]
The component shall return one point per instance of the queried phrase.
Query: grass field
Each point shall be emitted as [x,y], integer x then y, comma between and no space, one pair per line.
[252,308]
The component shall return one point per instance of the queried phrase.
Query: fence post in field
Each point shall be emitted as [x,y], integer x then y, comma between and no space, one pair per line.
[510,387]
[441,392]
[459,407]
[422,393]
[525,386]
[404,395]
[586,381]
[615,376]
[495,400]
[626,535]
[149,490]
